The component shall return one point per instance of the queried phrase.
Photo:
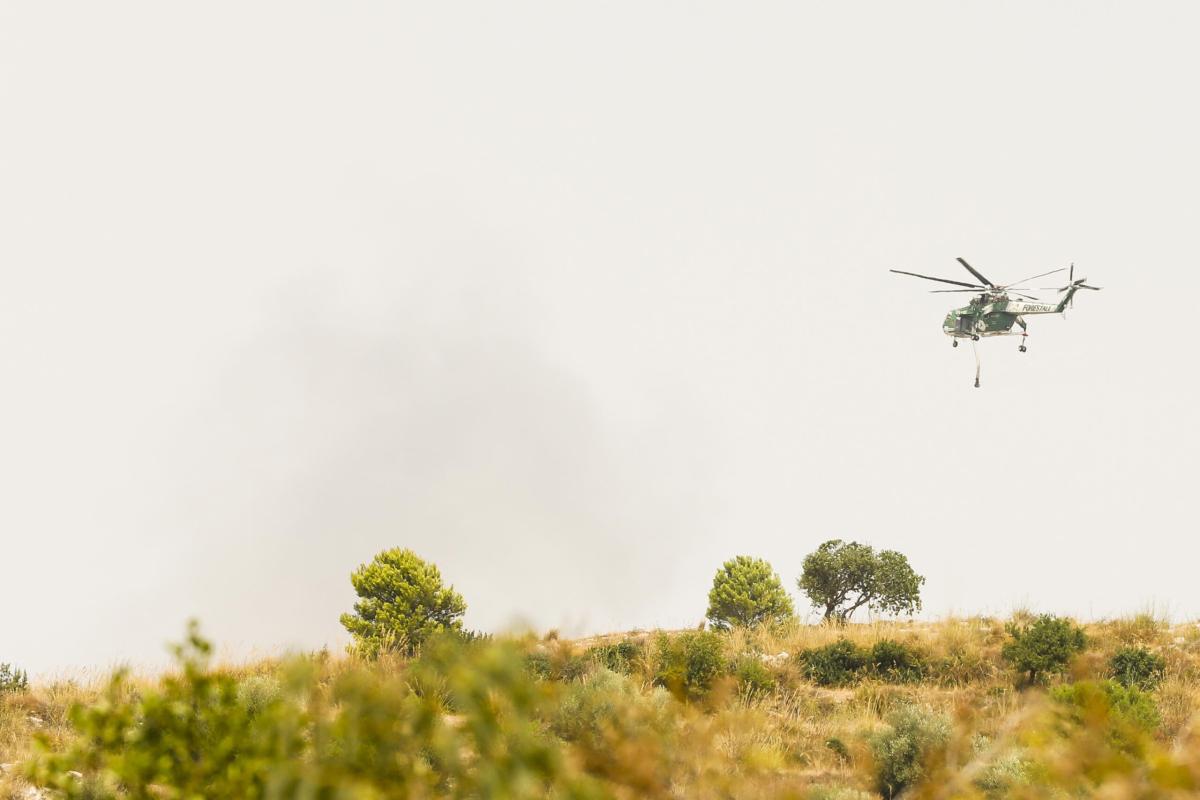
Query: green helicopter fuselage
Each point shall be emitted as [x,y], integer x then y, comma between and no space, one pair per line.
[996,314]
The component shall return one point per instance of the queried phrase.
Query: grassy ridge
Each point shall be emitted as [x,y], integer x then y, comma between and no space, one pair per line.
[671,714]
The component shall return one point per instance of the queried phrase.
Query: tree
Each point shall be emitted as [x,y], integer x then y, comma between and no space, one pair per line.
[841,577]
[12,680]
[1043,647]
[746,593]
[402,603]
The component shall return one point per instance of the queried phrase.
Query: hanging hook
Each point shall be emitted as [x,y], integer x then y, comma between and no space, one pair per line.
[978,365]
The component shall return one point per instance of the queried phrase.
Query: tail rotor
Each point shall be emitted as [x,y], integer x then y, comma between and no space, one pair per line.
[1073,285]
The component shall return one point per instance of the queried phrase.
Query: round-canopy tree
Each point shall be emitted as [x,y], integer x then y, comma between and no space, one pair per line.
[1043,647]
[745,593]
[841,577]
[402,602]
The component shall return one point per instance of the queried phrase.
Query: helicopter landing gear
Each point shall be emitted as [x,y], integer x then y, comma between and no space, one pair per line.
[1021,348]
[975,337]
[954,343]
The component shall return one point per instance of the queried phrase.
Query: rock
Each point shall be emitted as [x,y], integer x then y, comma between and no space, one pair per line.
[778,658]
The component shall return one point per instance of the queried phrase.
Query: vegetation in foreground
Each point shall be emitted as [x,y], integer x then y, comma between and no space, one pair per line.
[791,711]
[758,706]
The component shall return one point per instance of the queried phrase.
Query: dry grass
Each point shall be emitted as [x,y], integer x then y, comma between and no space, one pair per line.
[785,742]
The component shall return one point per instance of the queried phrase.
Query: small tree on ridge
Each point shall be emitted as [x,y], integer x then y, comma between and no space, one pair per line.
[841,577]
[746,593]
[402,603]
[1043,647]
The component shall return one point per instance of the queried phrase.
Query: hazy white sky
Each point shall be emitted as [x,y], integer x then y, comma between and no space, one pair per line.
[578,301]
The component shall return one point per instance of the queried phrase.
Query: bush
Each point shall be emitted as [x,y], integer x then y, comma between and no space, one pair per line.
[902,753]
[195,735]
[259,694]
[839,749]
[690,663]
[1127,714]
[1043,647]
[539,665]
[747,593]
[622,657]
[837,664]
[753,675]
[590,704]
[361,732]
[1137,667]
[619,732]
[1000,778]
[558,664]
[402,603]
[895,662]
[12,680]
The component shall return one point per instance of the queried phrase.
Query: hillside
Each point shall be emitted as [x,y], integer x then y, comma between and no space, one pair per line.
[937,710]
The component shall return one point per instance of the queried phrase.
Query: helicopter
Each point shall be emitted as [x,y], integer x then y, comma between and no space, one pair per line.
[994,312]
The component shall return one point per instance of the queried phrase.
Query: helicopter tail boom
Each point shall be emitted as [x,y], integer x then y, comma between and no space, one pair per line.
[1071,289]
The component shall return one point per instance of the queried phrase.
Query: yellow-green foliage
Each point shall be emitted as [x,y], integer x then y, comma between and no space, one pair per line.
[1043,647]
[746,593]
[401,603]
[660,715]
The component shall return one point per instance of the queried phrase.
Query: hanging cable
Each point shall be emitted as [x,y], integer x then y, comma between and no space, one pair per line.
[978,366]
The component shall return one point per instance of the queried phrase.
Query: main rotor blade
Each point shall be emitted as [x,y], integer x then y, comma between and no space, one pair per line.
[975,272]
[1031,277]
[978,291]
[931,278]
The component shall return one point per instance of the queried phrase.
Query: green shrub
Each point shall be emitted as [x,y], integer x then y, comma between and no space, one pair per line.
[690,663]
[618,731]
[838,664]
[538,664]
[194,734]
[622,657]
[895,662]
[753,675]
[1044,647]
[839,749]
[259,694]
[999,778]
[12,680]
[574,666]
[747,593]
[590,704]
[902,752]
[362,732]
[1128,714]
[559,664]
[1137,667]
[402,603]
